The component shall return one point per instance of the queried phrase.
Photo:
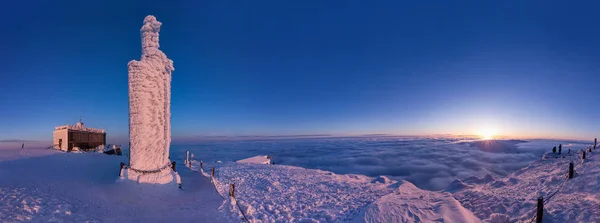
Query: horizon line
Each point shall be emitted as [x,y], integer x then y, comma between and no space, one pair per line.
[308,136]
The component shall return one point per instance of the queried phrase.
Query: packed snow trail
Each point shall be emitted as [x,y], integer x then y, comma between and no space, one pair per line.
[54,186]
[515,196]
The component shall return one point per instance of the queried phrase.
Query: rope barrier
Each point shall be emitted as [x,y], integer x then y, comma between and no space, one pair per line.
[534,217]
[213,182]
[547,200]
[150,171]
[552,195]
[238,205]
[481,197]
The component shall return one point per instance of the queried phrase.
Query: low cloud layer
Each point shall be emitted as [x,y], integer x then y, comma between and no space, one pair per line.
[428,163]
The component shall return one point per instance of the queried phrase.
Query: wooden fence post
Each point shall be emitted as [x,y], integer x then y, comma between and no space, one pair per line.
[173,166]
[201,166]
[540,210]
[121,170]
[213,172]
[232,192]
[583,156]
[571,170]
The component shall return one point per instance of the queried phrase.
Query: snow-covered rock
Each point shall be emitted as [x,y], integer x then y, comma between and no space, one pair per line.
[256,160]
[456,185]
[99,149]
[498,218]
[382,180]
[476,180]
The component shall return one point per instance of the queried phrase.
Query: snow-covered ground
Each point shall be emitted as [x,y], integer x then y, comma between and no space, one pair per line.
[515,196]
[279,193]
[40,185]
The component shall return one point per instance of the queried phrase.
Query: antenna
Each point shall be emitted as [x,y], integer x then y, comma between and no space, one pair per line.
[82,114]
[80,123]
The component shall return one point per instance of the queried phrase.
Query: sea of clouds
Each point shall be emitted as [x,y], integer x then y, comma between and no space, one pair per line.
[430,163]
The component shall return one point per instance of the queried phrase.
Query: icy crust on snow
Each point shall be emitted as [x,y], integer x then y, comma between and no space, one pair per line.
[149,102]
[411,204]
[515,196]
[256,160]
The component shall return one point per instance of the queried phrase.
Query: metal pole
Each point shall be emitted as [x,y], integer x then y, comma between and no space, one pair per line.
[187,157]
[121,170]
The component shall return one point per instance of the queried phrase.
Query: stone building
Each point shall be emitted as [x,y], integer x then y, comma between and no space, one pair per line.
[78,137]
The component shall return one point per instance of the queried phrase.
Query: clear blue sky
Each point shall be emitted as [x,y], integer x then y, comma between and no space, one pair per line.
[521,68]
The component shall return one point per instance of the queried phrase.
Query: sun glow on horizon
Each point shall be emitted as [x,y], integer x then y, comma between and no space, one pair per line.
[486,134]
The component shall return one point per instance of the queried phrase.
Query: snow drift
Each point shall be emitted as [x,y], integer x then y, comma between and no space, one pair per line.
[411,204]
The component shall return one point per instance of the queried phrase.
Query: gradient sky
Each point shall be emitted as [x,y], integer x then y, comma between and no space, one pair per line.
[522,68]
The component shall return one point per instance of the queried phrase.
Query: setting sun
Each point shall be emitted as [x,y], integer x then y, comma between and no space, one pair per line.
[487,134]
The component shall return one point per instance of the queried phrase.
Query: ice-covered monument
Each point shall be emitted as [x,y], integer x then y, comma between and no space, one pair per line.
[150,112]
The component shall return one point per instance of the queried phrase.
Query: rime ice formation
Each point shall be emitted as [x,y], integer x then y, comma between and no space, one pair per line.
[149,111]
